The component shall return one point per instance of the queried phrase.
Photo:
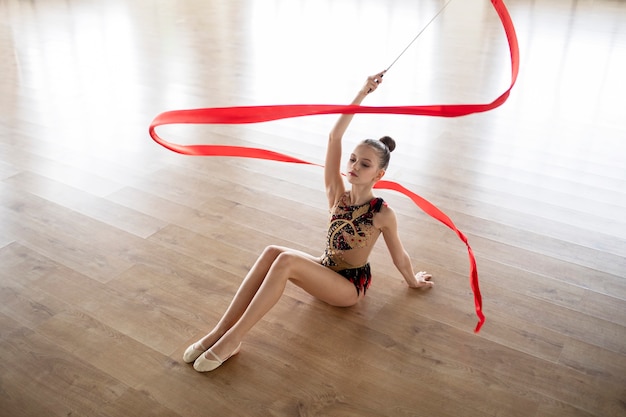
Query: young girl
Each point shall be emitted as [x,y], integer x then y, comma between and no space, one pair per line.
[341,276]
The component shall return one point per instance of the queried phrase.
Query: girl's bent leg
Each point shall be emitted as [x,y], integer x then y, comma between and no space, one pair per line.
[248,288]
[305,272]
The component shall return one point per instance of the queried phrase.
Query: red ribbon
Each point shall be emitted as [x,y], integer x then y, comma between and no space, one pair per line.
[256,114]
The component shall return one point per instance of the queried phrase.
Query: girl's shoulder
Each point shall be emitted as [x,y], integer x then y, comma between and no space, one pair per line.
[385,216]
[377,204]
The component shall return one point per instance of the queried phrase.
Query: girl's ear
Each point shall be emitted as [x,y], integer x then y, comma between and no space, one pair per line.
[380,174]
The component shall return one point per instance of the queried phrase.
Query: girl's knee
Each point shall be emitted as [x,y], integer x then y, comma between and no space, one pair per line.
[286,262]
[284,259]
[272,252]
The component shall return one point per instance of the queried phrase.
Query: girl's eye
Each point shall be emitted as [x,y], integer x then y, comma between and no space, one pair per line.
[365,165]
[352,159]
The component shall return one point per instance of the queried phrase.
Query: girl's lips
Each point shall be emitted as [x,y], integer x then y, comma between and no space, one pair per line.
[352,174]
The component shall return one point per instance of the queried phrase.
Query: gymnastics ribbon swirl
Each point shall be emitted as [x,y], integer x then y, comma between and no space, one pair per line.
[256,114]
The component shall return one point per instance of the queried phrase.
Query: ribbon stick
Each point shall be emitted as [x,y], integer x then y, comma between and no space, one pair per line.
[257,114]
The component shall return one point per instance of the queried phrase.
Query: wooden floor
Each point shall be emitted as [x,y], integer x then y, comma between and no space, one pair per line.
[115,254]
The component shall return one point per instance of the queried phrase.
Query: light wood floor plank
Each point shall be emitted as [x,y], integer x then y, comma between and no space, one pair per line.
[86,204]
[62,382]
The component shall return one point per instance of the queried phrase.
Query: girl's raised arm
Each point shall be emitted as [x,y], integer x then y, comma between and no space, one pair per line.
[332,171]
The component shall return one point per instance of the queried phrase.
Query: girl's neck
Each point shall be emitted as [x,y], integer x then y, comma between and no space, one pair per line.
[360,195]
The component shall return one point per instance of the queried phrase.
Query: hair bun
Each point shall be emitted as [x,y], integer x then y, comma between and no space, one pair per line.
[389,142]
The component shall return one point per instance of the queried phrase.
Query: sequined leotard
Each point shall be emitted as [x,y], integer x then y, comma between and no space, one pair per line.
[350,227]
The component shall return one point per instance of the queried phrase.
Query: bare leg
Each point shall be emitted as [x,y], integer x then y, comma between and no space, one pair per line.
[248,288]
[305,272]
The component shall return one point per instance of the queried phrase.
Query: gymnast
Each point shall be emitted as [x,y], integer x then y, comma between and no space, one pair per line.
[341,276]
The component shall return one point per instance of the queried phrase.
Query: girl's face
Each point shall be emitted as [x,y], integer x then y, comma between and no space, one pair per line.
[363,166]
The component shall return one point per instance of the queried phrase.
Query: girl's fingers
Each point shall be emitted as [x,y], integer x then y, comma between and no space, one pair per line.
[373,81]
